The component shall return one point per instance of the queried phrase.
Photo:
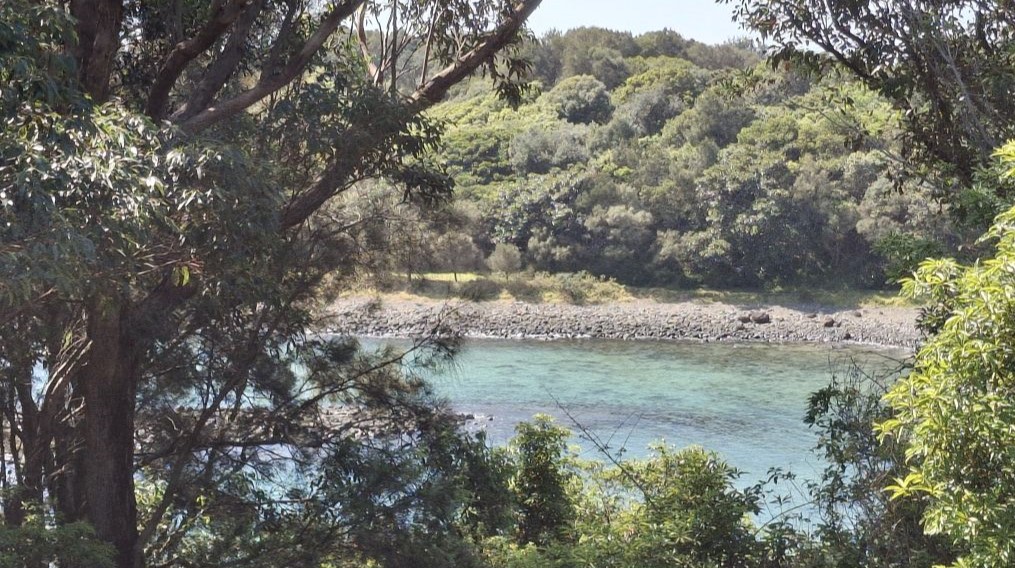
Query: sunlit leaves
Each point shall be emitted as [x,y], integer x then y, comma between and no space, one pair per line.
[955,409]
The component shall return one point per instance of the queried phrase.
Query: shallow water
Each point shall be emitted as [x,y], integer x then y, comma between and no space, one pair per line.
[745,401]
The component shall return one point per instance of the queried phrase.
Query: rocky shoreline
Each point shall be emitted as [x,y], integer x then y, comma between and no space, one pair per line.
[638,319]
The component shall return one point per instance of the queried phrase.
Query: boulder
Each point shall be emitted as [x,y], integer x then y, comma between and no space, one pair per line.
[829,321]
[760,317]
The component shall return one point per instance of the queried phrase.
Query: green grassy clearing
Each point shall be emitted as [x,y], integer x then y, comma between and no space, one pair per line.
[584,288]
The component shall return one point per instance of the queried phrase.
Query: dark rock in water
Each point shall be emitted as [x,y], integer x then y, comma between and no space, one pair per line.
[829,321]
[847,336]
[760,317]
[744,318]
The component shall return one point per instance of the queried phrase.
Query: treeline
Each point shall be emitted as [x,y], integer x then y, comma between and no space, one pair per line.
[657,160]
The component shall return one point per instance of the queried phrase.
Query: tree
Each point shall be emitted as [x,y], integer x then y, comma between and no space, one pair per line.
[546,513]
[164,170]
[581,99]
[505,258]
[954,410]
[595,51]
[945,64]
[665,42]
[860,524]
[538,149]
[457,252]
[621,240]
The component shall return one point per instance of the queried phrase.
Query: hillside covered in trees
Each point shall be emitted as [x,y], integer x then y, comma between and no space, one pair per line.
[657,160]
[184,184]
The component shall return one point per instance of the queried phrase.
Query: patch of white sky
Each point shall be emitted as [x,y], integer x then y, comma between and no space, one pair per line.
[704,20]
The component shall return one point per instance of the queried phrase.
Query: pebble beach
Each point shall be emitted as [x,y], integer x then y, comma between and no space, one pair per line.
[637,319]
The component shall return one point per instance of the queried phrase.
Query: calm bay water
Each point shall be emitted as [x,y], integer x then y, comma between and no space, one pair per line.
[745,401]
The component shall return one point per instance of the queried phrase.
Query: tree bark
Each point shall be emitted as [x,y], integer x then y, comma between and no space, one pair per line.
[108,382]
[98,40]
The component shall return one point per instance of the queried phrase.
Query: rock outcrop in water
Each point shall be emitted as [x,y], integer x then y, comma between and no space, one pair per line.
[626,320]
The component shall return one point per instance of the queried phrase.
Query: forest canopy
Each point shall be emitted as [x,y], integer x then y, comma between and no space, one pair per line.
[656,160]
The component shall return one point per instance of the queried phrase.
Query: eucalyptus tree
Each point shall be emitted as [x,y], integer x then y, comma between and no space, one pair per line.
[165,170]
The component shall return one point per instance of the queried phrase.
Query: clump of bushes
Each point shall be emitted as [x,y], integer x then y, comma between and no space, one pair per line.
[584,288]
[479,290]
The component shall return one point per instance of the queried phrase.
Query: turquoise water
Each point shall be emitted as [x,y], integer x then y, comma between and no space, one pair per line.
[745,401]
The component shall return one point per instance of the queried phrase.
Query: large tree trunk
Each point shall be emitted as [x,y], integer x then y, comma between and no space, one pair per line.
[108,384]
[100,483]
[98,40]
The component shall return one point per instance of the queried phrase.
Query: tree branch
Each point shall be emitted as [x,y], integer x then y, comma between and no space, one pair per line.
[216,75]
[434,90]
[268,84]
[364,45]
[360,141]
[97,41]
[222,17]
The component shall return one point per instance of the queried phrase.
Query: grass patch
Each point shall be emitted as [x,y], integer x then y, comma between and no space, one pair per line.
[451,276]
[585,288]
[579,288]
[843,299]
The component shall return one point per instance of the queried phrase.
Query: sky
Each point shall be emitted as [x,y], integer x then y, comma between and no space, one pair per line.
[703,20]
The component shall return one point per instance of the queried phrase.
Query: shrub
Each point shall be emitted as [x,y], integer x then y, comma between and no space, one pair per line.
[904,253]
[479,290]
[583,287]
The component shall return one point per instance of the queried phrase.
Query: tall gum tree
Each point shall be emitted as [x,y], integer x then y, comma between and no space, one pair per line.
[163,173]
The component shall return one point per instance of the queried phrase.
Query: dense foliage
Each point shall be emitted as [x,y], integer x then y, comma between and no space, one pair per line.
[182,182]
[168,181]
[946,64]
[954,411]
[654,160]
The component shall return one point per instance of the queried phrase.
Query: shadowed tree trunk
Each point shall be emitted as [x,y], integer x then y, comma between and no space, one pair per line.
[109,382]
